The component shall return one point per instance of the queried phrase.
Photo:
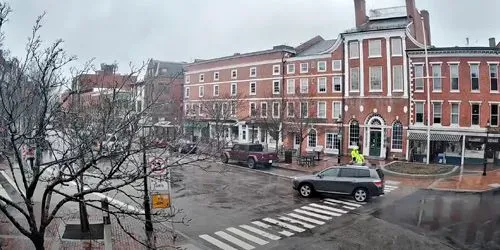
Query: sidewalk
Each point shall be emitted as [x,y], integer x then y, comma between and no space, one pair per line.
[469,182]
[325,162]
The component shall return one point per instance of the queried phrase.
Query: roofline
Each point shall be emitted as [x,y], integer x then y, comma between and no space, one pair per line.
[255,53]
[375,30]
[435,50]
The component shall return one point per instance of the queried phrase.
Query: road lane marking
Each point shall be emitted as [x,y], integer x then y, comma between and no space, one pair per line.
[284,225]
[312,214]
[319,211]
[328,208]
[306,219]
[264,225]
[389,186]
[283,218]
[4,194]
[12,183]
[217,242]
[247,236]
[234,240]
[392,182]
[343,202]
[346,207]
[260,232]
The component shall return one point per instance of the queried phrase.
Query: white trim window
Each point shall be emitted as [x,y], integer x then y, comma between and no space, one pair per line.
[397,78]
[455,114]
[375,48]
[454,78]
[353,133]
[188,79]
[354,80]
[276,109]
[353,49]
[263,109]
[337,109]
[475,114]
[474,76]
[276,87]
[437,85]
[201,77]
[201,91]
[396,46]
[276,70]
[376,79]
[216,76]
[437,111]
[494,114]
[337,65]
[322,84]
[253,71]
[253,109]
[322,66]
[304,67]
[332,143]
[234,89]
[216,90]
[419,112]
[290,86]
[253,88]
[304,109]
[493,77]
[290,68]
[290,107]
[337,84]
[234,74]
[187,92]
[304,85]
[199,108]
[397,137]
[312,137]
[419,77]
[233,109]
[321,110]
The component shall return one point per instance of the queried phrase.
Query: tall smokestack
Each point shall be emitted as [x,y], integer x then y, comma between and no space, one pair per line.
[360,12]
[427,25]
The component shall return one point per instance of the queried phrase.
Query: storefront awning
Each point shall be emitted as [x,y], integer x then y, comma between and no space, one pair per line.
[434,137]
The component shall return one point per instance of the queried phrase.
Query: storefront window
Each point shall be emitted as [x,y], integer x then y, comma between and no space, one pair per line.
[453,148]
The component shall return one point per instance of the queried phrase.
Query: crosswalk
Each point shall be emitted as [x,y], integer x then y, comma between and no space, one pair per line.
[258,233]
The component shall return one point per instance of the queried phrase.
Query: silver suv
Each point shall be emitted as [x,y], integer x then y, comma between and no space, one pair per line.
[360,182]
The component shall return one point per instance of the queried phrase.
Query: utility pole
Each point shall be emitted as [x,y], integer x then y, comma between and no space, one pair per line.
[428,89]
[147,207]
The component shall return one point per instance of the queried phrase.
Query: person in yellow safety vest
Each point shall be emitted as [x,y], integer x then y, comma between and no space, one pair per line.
[357,158]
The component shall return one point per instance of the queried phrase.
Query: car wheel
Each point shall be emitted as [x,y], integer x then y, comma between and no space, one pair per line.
[251,163]
[360,195]
[224,158]
[306,190]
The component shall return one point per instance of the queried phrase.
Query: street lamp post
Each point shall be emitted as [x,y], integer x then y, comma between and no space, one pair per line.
[486,147]
[340,125]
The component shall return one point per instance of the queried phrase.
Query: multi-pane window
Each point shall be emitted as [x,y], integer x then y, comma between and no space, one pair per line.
[186,92]
[322,85]
[253,88]
[290,68]
[455,113]
[311,138]
[304,109]
[332,141]
[494,77]
[188,79]
[494,115]
[263,109]
[253,72]
[304,67]
[337,83]
[321,109]
[354,133]
[419,112]
[337,65]
[304,85]
[397,77]
[276,87]
[375,48]
[396,47]
[233,108]
[454,77]
[419,77]
[397,136]
[354,49]
[290,107]
[234,89]
[437,112]
[253,109]
[337,109]
[276,69]
[475,114]
[321,66]
[375,78]
[216,90]
[201,77]
[234,74]
[201,91]
[474,75]
[354,79]
[436,77]
[276,109]
[216,76]
[290,86]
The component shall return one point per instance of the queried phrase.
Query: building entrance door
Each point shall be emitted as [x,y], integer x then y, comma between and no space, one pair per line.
[375,142]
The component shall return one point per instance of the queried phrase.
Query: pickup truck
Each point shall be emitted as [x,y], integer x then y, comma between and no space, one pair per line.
[250,153]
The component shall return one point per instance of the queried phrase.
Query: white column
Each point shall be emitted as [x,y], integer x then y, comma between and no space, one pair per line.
[346,68]
[389,67]
[247,134]
[405,68]
[462,160]
[361,69]
[240,133]
[407,147]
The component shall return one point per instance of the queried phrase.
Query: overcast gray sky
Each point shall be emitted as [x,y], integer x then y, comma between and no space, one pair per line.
[182,30]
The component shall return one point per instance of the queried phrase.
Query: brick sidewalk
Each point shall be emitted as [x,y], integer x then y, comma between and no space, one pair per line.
[469,182]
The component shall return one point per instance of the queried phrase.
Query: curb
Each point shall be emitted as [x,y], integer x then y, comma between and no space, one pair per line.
[419,176]
[292,169]
[469,191]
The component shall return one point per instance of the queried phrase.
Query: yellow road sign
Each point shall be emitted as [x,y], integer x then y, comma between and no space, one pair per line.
[161,201]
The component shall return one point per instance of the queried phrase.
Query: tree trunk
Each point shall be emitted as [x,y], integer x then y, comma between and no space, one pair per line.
[84,218]
[38,240]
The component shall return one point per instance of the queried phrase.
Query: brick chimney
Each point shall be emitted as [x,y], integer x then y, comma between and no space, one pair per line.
[427,25]
[493,43]
[410,8]
[360,12]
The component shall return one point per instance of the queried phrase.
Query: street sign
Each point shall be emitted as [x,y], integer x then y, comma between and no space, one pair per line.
[157,166]
[158,185]
[161,201]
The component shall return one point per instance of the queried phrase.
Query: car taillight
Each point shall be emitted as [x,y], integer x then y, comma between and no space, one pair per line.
[378,184]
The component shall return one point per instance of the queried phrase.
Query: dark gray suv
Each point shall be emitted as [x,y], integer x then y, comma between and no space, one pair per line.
[360,182]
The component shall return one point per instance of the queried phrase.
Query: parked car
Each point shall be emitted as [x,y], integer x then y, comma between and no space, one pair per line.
[251,153]
[360,182]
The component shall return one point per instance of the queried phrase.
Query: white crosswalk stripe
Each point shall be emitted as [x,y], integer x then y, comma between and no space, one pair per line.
[284,225]
[319,211]
[4,194]
[234,240]
[300,217]
[217,242]
[346,207]
[312,214]
[283,218]
[260,232]
[390,186]
[328,208]
[344,202]
[264,225]
[339,204]
[247,236]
